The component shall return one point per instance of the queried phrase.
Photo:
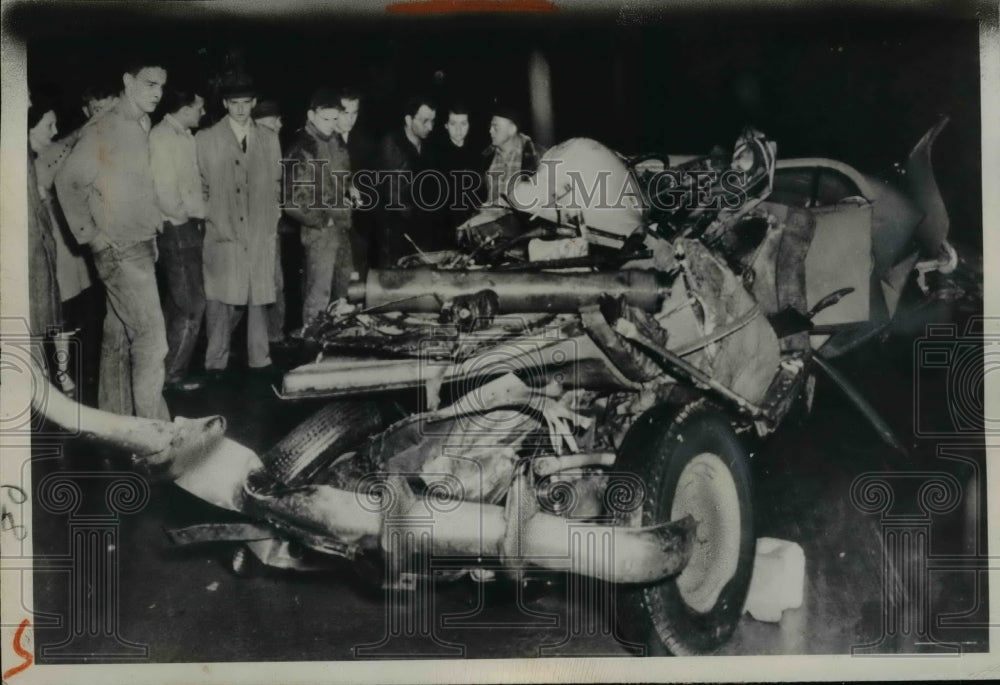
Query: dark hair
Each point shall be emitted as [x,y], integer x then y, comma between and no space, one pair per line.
[324,97]
[347,93]
[98,91]
[458,107]
[182,96]
[413,104]
[133,64]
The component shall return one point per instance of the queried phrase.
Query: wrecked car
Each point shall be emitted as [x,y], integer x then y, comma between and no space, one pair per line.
[579,397]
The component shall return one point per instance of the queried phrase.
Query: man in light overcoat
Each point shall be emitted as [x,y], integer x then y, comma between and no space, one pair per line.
[240,165]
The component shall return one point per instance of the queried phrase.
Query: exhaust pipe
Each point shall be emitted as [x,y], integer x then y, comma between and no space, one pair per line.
[379,513]
[192,452]
[387,514]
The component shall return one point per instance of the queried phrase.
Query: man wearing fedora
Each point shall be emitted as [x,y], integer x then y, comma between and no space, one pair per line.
[240,164]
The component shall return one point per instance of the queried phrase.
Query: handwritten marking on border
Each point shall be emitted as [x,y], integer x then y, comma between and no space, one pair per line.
[20,651]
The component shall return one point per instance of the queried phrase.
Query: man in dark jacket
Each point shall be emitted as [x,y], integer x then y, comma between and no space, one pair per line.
[402,156]
[317,188]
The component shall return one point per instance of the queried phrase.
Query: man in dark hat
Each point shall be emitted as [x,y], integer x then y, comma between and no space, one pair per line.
[240,165]
[510,155]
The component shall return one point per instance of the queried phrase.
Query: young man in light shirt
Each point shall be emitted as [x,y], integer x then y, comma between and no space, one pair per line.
[107,193]
[174,158]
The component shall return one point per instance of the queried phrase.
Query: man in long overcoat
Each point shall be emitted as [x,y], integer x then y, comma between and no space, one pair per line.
[240,165]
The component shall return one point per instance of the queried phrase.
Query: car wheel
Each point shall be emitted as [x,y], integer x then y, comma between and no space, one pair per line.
[691,462]
[336,428]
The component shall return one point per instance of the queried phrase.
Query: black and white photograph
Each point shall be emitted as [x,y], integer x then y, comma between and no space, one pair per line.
[498,341]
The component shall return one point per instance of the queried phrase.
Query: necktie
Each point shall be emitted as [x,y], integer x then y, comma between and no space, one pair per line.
[243,144]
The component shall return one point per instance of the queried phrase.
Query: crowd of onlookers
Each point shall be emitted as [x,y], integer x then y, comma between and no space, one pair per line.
[170,228]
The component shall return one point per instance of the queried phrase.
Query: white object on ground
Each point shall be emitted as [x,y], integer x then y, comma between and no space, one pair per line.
[778,582]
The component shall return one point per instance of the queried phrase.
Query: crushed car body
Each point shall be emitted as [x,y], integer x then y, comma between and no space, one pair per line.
[577,397]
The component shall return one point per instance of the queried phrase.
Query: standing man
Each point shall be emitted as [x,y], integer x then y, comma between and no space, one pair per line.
[510,153]
[506,160]
[461,167]
[178,191]
[401,158]
[240,166]
[107,193]
[360,153]
[317,185]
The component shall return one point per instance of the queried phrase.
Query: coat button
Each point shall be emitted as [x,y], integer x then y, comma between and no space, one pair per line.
[237,191]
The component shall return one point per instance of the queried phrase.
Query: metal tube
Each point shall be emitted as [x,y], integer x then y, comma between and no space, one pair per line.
[476,529]
[425,290]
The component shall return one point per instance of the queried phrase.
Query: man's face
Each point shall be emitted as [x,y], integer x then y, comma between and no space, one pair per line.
[190,115]
[270,122]
[145,89]
[502,130]
[324,119]
[95,108]
[45,130]
[457,127]
[422,123]
[347,117]
[239,108]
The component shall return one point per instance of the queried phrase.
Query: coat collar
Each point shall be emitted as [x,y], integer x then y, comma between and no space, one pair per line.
[225,131]
[178,127]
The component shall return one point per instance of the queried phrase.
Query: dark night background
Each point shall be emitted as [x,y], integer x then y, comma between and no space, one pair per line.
[859,85]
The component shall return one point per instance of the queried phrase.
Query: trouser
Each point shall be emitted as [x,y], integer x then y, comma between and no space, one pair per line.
[363,226]
[184,292]
[329,264]
[84,314]
[221,320]
[276,310]
[135,342]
